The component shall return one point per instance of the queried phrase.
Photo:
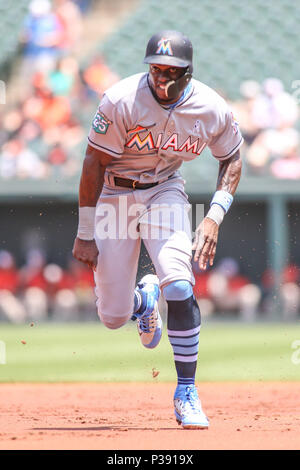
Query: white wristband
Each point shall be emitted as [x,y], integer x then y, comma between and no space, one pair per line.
[86,223]
[216,213]
[223,198]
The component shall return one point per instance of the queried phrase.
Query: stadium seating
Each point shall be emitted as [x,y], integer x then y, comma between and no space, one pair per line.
[11,24]
[233,40]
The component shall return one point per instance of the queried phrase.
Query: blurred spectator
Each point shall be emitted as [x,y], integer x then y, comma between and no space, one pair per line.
[98,76]
[43,36]
[9,276]
[249,90]
[274,108]
[32,271]
[271,145]
[291,273]
[29,132]
[232,292]
[83,5]
[73,134]
[34,285]
[200,287]
[268,115]
[57,156]
[288,165]
[60,163]
[8,159]
[36,304]
[84,288]
[290,299]
[11,308]
[48,110]
[65,302]
[62,79]
[12,121]
[201,291]
[69,15]
[17,161]
[224,289]
[53,275]
[290,292]
[249,297]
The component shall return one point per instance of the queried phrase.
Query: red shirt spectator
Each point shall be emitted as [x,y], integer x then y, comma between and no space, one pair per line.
[9,276]
[291,274]
[57,155]
[237,282]
[83,276]
[98,76]
[200,287]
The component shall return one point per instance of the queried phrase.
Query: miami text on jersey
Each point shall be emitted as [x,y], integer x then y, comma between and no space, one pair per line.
[141,142]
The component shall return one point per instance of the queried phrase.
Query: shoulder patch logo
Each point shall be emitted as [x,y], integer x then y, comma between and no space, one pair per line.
[164,47]
[100,123]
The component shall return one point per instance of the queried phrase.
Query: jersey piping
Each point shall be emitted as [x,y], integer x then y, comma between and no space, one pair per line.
[228,154]
[105,148]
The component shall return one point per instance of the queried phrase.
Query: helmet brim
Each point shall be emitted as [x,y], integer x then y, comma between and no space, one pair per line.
[166,60]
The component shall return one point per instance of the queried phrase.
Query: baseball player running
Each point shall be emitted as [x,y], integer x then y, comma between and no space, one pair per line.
[145,127]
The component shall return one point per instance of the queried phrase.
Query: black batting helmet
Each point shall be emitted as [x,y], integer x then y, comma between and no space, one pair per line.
[170,48]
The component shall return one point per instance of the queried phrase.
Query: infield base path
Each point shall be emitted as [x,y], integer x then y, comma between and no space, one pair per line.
[140,416]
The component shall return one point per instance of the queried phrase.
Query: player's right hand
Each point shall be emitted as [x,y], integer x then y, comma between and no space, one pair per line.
[206,237]
[86,251]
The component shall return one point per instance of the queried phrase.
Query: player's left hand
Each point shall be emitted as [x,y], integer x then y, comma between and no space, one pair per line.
[205,242]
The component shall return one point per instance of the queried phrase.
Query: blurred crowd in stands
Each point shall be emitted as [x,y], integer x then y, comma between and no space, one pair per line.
[41,291]
[226,290]
[43,134]
[269,119]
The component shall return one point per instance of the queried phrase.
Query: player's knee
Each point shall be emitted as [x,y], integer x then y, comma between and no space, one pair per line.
[113,322]
[178,290]
[113,314]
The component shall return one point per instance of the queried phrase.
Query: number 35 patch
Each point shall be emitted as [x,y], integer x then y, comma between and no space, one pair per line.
[101,123]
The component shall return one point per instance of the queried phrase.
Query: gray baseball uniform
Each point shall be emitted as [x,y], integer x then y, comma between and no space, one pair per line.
[148,143]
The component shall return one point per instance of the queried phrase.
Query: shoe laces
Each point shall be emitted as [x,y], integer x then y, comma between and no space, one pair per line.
[192,400]
[147,323]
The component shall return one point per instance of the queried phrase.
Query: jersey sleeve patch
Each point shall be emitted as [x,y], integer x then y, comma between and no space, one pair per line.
[101,123]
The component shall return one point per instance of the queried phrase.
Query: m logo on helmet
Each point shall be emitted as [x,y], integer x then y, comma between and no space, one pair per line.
[164,47]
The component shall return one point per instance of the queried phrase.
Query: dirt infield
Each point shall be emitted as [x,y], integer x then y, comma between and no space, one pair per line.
[140,416]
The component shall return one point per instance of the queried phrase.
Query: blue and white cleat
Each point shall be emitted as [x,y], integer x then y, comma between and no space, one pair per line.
[149,322]
[188,409]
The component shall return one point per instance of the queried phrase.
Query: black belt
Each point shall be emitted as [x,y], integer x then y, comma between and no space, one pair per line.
[133,183]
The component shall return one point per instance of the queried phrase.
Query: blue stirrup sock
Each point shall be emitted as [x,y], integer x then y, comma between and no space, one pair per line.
[184,322]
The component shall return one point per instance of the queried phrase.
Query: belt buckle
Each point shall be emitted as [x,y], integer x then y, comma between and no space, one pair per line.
[134,184]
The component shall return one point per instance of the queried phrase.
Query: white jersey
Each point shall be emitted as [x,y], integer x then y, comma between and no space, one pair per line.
[149,142]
